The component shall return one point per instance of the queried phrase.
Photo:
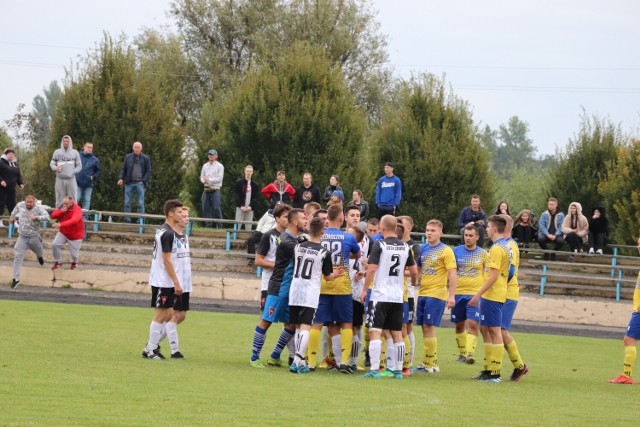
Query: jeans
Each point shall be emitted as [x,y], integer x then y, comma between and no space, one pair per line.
[211,202]
[84,194]
[386,210]
[129,189]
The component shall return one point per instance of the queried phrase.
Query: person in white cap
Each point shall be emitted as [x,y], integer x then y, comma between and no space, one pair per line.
[211,177]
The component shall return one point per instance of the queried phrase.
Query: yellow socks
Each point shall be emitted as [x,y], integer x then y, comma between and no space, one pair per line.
[497,353]
[346,339]
[472,341]
[407,353]
[461,340]
[514,355]
[629,359]
[430,352]
[314,344]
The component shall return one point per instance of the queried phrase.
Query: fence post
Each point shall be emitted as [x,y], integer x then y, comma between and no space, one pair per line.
[228,244]
[188,230]
[259,272]
[543,279]
[235,234]
[619,285]
[141,228]
[11,230]
[614,262]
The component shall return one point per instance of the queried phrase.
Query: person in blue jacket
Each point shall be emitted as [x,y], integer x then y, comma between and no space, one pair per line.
[388,192]
[87,176]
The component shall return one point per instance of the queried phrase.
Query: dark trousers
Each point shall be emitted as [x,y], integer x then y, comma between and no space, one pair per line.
[7,199]
[386,210]
[598,240]
[574,241]
[543,241]
[252,240]
[523,234]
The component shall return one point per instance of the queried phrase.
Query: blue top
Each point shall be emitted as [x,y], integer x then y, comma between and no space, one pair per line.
[468,215]
[388,191]
[90,170]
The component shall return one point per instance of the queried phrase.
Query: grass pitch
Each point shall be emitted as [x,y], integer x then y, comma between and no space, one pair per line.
[67,365]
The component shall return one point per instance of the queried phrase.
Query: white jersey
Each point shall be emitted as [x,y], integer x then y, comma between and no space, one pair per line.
[355,265]
[267,248]
[311,262]
[391,255]
[168,240]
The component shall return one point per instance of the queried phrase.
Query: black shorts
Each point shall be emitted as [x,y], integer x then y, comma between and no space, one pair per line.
[162,297]
[358,313]
[181,302]
[412,309]
[299,315]
[384,315]
[263,298]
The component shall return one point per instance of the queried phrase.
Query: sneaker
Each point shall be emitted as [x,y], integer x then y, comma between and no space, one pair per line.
[471,359]
[370,374]
[397,375]
[354,367]
[290,360]
[345,369]
[311,368]
[274,362]
[144,351]
[519,373]
[406,372]
[387,373]
[599,251]
[591,251]
[334,368]
[304,369]
[329,361]
[155,355]
[462,359]
[14,283]
[293,369]
[74,265]
[492,379]
[483,376]
[56,265]
[41,260]
[256,364]
[432,370]
[621,380]
[177,355]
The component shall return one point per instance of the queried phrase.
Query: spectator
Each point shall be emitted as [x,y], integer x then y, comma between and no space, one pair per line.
[211,177]
[334,184]
[503,209]
[336,198]
[388,192]
[135,174]
[524,228]
[550,228]
[357,200]
[279,191]
[266,223]
[575,228]
[306,193]
[246,192]
[473,215]
[87,176]
[598,230]
[70,230]
[10,177]
[66,164]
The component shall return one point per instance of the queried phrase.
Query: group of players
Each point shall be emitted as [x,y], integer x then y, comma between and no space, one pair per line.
[316,275]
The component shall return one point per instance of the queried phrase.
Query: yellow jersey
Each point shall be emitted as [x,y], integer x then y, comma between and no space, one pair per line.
[435,263]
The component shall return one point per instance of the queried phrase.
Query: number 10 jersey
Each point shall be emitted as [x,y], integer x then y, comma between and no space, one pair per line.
[311,262]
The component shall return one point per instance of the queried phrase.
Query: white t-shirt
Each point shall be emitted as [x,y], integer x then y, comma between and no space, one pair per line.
[167,240]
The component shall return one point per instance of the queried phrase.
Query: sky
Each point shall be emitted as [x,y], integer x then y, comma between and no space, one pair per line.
[547,62]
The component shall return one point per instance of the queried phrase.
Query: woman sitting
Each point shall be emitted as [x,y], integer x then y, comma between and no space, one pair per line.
[524,228]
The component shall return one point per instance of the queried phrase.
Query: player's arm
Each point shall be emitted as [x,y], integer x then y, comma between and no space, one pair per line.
[327,269]
[414,274]
[368,279]
[493,276]
[262,262]
[453,285]
[168,265]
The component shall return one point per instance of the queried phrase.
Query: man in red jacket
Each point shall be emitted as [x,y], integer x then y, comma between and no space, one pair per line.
[279,191]
[70,227]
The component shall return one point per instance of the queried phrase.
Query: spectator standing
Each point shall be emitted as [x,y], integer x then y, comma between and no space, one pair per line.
[358,200]
[524,228]
[598,230]
[575,228]
[211,177]
[66,164]
[388,192]
[550,228]
[334,184]
[29,215]
[70,230]
[10,177]
[279,191]
[86,177]
[246,192]
[306,193]
[135,174]
[473,215]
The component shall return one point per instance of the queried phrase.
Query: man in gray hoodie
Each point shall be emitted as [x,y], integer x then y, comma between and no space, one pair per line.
[66,164]
[29,216]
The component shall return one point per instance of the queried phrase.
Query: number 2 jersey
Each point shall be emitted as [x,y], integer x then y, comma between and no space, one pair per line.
[391,255]
[311,262]
[167,240]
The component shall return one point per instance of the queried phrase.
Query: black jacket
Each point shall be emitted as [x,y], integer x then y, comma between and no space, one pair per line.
[239,191]
[10,173]
[305,195]
[127,168]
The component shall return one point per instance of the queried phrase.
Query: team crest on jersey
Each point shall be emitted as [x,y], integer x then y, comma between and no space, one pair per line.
[434,257]
[164,300]
[271,311]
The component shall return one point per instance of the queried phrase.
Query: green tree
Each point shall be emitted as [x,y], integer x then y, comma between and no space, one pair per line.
[297,116]
[582,165]
[43,113]
[429,135]
[109,100]
[621,193]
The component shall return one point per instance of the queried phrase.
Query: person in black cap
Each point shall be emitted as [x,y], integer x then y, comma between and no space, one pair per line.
[388,192]
[211,177]
[10,177]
